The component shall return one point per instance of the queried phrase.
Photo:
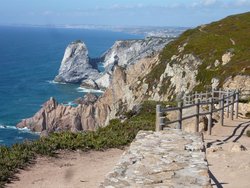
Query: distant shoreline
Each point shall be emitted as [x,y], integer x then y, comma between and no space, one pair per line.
[157,31]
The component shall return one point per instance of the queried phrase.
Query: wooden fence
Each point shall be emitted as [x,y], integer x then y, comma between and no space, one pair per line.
[228,101]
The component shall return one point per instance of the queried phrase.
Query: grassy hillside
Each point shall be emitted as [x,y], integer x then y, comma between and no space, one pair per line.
[209,43]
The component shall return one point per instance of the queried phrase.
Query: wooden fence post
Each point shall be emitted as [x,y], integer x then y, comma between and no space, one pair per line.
[184,100]
[222,110]
[237,104]
[180,115]
[210,116]
[162,122]
[158,117]
[197,115]
[232,107]
[228,93]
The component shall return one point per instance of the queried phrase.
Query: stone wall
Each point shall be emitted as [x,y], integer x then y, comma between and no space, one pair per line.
[170,158]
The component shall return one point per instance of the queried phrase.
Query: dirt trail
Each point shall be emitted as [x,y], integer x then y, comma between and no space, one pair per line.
[228,154]
[70,170]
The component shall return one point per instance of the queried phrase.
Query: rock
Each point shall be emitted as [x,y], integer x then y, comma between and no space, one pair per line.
[237,147]
[241,82]
[226,58]
[216,63]
[44,134]
[215,83]
[104,80]
[38,122]
[214,149]
[88,99]
[244,109]
[89,84]
[181,75]
[127,52]
[75,66]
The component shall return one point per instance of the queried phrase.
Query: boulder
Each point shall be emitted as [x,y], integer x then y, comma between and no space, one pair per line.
[88,99]
[89,84]
[234,147]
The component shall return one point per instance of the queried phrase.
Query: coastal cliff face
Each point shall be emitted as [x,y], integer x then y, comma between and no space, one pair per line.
[213,54]
[75,65]
[127,52]
[119,97]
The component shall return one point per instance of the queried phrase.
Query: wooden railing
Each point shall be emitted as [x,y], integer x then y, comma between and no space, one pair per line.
[228,102]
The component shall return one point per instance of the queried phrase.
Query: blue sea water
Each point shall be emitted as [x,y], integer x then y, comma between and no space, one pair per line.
[29,60]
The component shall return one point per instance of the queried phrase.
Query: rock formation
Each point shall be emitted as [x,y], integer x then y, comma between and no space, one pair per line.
[241,82]
[127,52]
[75,65]
[118,98]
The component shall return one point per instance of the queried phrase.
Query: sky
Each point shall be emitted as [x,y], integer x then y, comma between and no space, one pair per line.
[187,13]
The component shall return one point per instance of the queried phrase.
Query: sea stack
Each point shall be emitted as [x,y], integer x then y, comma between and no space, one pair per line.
[75,66]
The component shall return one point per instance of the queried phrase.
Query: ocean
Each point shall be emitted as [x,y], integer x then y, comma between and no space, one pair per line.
[29,60]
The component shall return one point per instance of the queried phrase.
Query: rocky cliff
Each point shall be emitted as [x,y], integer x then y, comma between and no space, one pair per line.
[216,54]
[127,52]
[75,65]
[119,97]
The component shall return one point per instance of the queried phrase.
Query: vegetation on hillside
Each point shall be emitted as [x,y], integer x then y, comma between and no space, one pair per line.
[115,135]
[248,133]
[209,43]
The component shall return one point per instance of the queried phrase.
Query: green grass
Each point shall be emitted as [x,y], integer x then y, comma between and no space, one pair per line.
[209,44]
[115,135]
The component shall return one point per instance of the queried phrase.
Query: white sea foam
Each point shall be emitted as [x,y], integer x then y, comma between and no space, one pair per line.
[54,82]
[70,103]
[26,130]
[19,137]
[84,90]
[7,127]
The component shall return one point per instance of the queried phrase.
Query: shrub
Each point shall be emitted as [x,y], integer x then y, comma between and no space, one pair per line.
[248,114]
[248,133]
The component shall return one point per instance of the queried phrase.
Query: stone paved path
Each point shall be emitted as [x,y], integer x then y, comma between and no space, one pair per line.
[169,158]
